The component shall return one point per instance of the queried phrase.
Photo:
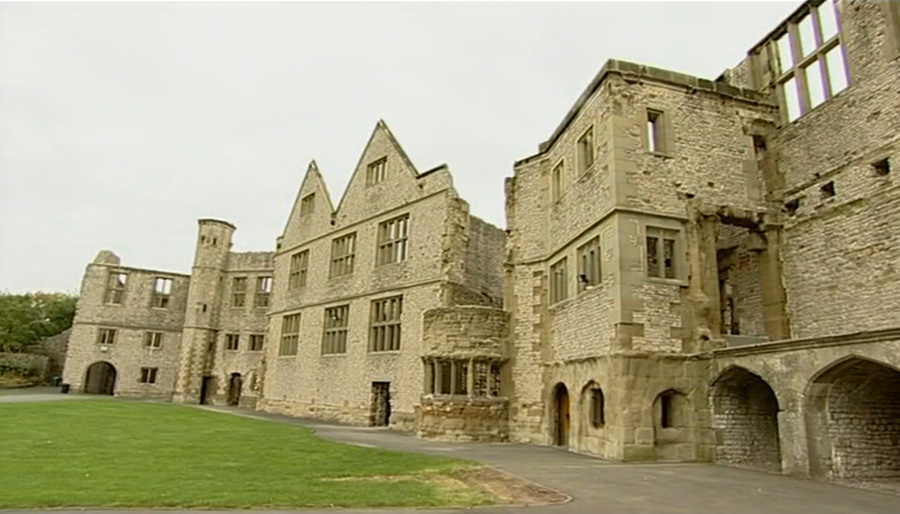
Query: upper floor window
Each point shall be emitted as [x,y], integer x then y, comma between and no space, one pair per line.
[384,334]
[343,250]
[334,340]
[238,291]
[290,335]
[393,243]
[586,150]
[307,204]
[376,172]
[115,287]
[256,342]
[263,291]
[106,336]
[153,339]
[589,264]
[810,61]
[162,289]
[556,181]
[232,342]
[661,252]
[299,264]
[656,136]
[559,281]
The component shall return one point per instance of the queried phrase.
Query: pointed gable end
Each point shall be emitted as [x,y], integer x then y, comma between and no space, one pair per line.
[384,178]
[311,213]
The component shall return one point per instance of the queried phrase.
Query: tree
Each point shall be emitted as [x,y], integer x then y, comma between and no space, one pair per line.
[27,318]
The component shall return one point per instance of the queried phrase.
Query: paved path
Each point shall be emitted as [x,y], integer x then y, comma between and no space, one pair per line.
[599,487]
[37,394]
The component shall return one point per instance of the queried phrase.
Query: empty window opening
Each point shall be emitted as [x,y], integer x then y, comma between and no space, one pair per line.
[807,36]
[153,339]
[232,342]
[837,70]
[556,186]
[661,252]
[827,20]
[263,291]
[655,141]
[106,336]
[559,276]
[148,375]
[115,288]
[589,264]
[343,251]
[256,342]
[881,168]
[670,409]
[814,84]
[791,99]
[586,150]
[299,265]
[214,241]
[785,55]
[307,204]
[384,326]
[827,190]
[334,340]
[598,416]
[290,334]
[376,172]
[238,291]
[162,289]
[791,206]
[393,240]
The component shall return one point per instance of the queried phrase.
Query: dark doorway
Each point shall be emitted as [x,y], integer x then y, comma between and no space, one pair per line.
[381,404]
[234,389]
[100,378]
[206,387]
[745,417]
[563,416]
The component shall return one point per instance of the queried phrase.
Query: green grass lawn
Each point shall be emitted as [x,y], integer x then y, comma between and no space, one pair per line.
[109,453]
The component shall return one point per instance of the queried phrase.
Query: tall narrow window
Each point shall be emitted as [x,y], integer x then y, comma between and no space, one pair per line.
[343,250]
[307,204]
[661,252]
[162,289]
[153,339]
[299,264]
[376,172]
[263,291]
[393,243]
[334,340]
[556,186]
[589,264]
[586,150]
[384,332]
[559,281]
[598,418]
[115,287]
[148,375]
[232,342]
[290,335]
[655,131]
[256,342]
[238,291]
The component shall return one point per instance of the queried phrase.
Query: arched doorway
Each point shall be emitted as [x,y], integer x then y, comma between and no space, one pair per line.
[745,417]
[853,422]
[234,389]
[100,378]
[563,416]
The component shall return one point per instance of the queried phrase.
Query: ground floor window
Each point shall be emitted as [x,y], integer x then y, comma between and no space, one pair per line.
[472,377]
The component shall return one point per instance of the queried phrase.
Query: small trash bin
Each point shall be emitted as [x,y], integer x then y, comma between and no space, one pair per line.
[56,381]
[64,389]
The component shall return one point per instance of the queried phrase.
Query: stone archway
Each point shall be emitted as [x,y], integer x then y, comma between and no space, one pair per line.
[562,415]
[853,422]
[745,418]
[100,378]
[234,389]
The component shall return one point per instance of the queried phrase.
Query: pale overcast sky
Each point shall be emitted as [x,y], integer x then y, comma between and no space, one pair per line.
[122,124]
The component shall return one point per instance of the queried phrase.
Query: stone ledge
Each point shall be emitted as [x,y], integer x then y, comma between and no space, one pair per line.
[871,336]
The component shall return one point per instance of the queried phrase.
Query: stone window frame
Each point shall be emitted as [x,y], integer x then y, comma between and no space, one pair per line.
[589,271]
[116,283]
[308,204]
[679,264]
[663,144]
[232,342]
[393,240]
[559,280]
[238,292]
[298,269]
[376,171]
[257,342]
[153,340]
[471,377]
[585,149]
[290,335]
[671,410]
[148,376]
[343,253]
[557,181]
[385,324]
[796,73]
[335,327]
[107,336]
[263,292]
[892,19]
[598,407]
[162,292]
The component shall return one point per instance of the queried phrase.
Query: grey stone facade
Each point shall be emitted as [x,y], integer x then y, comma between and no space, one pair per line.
[693,270]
